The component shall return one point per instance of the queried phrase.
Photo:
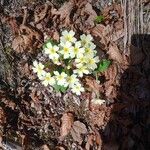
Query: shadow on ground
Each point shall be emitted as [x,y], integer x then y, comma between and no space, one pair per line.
[129,126]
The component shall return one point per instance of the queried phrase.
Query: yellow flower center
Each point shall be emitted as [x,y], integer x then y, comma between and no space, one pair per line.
[78,88]
[47,78]
[76,50]
[60,77]
[52,51]
[87,50]
[82,59]
[66,49]
[91,61]
[69,38]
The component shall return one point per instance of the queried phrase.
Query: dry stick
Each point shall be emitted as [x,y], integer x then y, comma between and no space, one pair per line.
[25,16]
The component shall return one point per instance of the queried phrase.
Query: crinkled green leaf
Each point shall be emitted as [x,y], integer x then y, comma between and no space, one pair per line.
[103,65]
[59,88]
[63,89]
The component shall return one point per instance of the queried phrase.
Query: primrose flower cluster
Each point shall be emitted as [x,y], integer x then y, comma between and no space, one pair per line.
[71,59]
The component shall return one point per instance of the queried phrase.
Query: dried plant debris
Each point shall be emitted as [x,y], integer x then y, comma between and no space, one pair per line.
[27,40]
[77,130]
[67,122]
[112,113]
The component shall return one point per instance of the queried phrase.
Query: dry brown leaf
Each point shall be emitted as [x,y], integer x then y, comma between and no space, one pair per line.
[78,128]
[99,114]
[18,44]
[88,9]
[67,122]
[92,84]
[40,12]
[25,69]
[106,34]
[12,23]
[45,147]
[90,141]
[98,138]
[27,40]
[117,35]
[111,74]
[56,35]
[114,53]
[119,9]
[64,12]
[99,31]
[97,117]
[60,148]
[109,90]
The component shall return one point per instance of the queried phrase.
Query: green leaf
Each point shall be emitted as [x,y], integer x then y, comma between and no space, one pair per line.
[59,88]
[103,65]
[99,19]
[63,89]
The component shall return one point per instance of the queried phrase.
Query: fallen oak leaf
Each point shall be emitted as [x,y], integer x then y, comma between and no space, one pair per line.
[90,141]
[64,12]
[94,140]
[67,122]
[78,128]
[92,84]
[98,138]
[44,147]
[27,40]
[99,31]
[92,15]
[114,53]
[40,13]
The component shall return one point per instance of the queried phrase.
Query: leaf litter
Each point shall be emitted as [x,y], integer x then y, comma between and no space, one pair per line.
[42,115]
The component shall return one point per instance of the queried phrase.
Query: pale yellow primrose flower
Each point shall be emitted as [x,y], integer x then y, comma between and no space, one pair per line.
[61,79]
[51,51]
[91,62]
[81,60]
[89,50]
[56,61]
[48,79]
[77,89]
[68,36]
[72,80]
[81,70]
[77,51]
[66,49]
[38,68]
[86,39]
